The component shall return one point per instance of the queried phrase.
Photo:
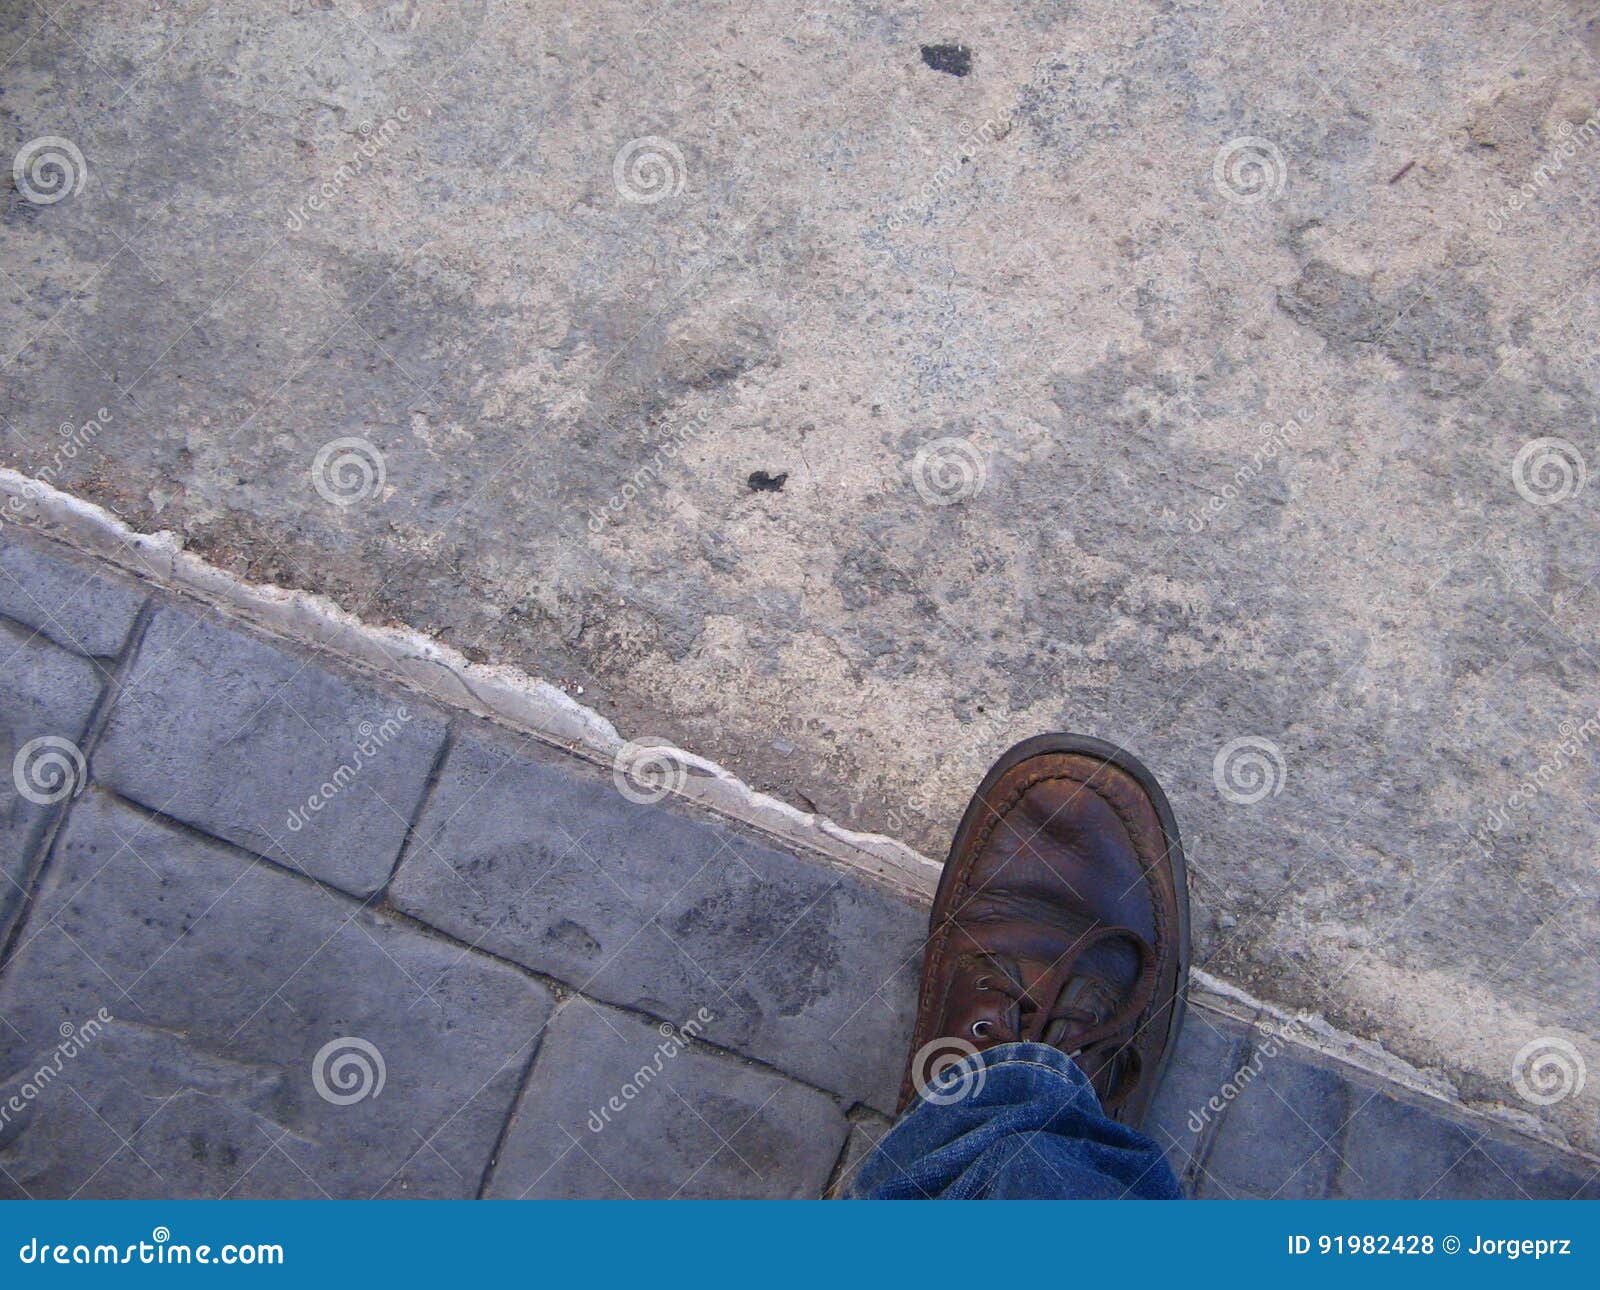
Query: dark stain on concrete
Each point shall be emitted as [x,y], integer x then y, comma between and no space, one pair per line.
[1437,329]
[955,59]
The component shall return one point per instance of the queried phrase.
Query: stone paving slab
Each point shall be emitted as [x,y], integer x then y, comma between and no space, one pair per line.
[72,605]
[226,979]
[617,1107]
[866,1131]
[543,861]
[46,694]
[1282,1132]
[1396,1149]
[1283,1123]
[1210,1049]
[253,744]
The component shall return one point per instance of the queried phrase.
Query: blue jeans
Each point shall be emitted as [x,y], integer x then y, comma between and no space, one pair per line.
[1014,1122]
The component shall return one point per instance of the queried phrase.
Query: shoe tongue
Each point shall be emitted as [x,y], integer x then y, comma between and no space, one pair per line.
[1111,959]
[1096,983]
[1089,994]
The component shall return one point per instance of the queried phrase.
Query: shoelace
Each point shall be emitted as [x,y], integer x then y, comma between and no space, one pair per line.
[1036,1020]
[1102,1046]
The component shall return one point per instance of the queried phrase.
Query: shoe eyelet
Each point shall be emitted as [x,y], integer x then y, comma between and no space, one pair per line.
[981,1029]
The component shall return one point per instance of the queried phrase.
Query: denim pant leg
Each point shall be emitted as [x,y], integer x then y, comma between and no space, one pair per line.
[1018,1122]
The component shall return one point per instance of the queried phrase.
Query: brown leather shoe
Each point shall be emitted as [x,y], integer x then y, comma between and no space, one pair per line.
[1062,918]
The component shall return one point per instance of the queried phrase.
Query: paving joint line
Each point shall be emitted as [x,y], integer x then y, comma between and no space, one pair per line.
[94,726]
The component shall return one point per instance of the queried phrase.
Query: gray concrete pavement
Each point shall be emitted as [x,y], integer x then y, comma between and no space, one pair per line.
[544,981]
